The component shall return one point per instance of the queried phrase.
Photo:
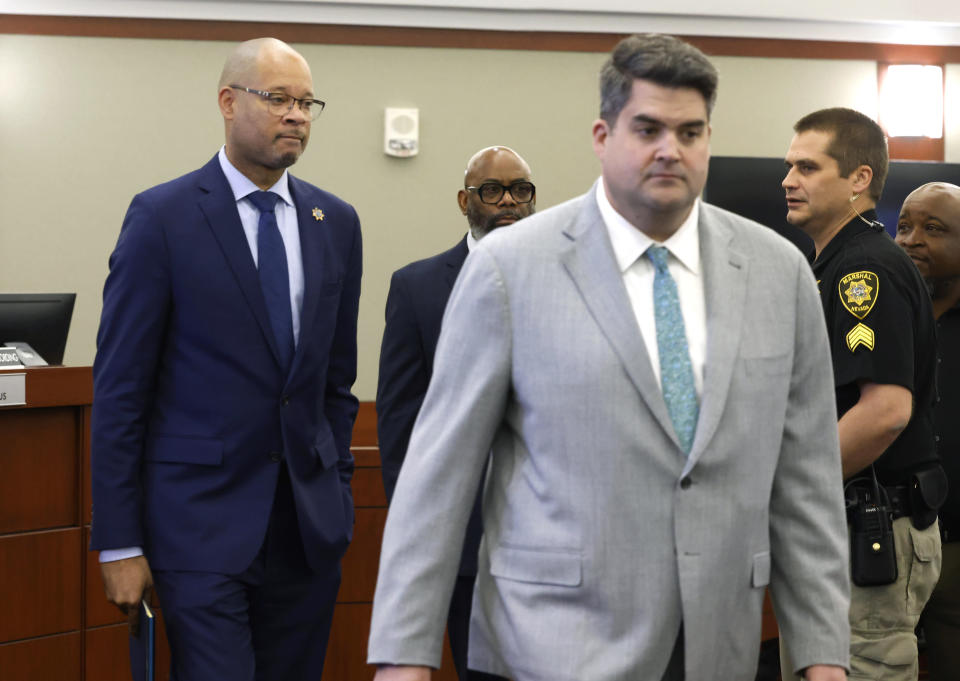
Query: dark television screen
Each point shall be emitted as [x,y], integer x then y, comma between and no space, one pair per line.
[903,178]
[40,319]
[750,186]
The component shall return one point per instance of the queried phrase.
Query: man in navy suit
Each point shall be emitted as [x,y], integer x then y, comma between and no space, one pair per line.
[222,407]
[497,191]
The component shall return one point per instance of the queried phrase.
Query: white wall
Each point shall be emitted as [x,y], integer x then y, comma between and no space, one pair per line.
[932,22]
[93,121]
[760,99]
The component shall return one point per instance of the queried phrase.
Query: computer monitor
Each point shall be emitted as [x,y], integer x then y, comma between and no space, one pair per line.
[40,319]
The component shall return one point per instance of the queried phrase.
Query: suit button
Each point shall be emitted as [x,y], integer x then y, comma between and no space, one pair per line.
[285,400]
[685,483]
[275,457]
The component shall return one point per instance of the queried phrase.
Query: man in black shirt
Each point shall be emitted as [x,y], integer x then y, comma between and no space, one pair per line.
[929,231]
[880,324]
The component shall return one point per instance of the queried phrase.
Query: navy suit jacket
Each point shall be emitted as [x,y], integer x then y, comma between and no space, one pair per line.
[191,410]
[415,304]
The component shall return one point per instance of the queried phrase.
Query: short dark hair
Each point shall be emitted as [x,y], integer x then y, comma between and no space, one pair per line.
[856,141]
[660,59]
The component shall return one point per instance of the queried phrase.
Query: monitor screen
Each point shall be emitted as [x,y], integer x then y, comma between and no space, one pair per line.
[40,319]
[750,186]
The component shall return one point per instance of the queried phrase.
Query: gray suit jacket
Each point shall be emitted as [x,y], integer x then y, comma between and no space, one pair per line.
[601,537]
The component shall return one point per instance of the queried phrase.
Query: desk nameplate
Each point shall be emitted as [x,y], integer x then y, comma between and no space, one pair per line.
[13,389]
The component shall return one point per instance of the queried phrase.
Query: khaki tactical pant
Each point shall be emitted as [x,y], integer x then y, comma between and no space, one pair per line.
[883,646]
[941,619]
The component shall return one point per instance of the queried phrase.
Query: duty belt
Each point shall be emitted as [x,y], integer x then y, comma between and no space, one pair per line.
[899,496]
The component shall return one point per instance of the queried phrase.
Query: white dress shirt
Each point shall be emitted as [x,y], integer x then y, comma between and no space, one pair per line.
[629,246]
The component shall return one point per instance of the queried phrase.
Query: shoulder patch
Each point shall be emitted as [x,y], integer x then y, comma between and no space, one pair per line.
[858,293]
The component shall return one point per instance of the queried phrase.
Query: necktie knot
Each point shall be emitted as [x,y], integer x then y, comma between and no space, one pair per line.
[264,201]
[658,256]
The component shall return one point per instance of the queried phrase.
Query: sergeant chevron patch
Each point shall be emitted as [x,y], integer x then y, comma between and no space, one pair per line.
[859,335]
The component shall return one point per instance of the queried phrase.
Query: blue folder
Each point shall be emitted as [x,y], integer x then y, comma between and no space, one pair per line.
[142,646]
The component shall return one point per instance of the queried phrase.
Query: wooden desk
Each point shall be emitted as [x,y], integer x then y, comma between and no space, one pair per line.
[42,445]
[55,622]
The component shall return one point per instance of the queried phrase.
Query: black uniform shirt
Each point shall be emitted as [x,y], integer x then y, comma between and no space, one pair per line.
[947,415]
[880,323]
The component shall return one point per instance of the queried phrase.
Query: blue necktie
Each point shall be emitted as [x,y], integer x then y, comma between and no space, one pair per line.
[274,278]
[676,372]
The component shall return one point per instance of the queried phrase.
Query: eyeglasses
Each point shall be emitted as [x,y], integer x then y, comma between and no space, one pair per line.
[492,192]
[279,103]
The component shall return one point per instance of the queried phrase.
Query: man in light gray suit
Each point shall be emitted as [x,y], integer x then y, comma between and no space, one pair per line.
[650,375]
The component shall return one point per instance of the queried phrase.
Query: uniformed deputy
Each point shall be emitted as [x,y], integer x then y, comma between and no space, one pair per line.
[880,323]
[929,231]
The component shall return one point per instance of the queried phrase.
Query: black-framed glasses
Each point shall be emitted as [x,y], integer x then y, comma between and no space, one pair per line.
[492,192]
[279,103]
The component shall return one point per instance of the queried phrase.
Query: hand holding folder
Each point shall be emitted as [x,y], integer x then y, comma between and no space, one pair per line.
[142,645]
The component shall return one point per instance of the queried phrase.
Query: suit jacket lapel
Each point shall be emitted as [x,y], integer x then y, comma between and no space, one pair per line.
[725,273]
[219,207]
[454,262]
[592,266]
[313,253]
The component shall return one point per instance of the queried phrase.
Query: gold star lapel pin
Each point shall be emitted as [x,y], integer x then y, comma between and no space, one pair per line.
[318,214]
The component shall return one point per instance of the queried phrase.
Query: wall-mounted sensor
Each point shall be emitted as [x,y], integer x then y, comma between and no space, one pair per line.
[401,132]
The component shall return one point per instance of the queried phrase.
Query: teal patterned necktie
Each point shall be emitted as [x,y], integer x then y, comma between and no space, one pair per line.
[676,372]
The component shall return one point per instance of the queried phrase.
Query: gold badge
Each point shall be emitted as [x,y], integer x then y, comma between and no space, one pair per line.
[858,293]
[317,214]
[859,335]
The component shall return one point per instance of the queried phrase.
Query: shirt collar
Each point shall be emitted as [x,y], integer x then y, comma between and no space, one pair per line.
[471,241]
[241,185]
[854,227]
[629,243]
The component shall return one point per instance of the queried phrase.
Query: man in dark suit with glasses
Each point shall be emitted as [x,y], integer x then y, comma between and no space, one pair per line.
[221,427]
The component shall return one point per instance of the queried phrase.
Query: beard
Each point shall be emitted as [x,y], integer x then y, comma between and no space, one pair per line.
[482,224]
[940,288]
[287,160]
